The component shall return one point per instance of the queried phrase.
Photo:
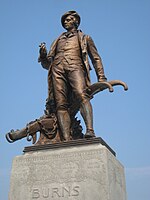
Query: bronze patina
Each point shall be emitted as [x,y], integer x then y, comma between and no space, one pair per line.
[69,86]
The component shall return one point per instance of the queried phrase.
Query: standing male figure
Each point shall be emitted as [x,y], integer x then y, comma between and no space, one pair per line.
[68,69]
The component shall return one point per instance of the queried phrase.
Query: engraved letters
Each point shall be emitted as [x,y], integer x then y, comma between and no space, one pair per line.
[55,192]
[35,193]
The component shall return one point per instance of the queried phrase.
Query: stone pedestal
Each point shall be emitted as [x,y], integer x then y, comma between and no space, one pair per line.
[88,171]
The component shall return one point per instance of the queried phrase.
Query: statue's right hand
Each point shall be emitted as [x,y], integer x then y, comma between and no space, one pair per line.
[43,50]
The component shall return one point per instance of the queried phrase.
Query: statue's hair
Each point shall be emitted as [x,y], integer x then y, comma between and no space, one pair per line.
[76,22]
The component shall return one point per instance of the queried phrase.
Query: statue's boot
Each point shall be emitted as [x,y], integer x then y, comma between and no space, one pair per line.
[64,123]
[12,136]
[87,114]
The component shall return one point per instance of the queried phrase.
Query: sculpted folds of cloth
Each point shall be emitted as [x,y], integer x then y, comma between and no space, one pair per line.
[69,86]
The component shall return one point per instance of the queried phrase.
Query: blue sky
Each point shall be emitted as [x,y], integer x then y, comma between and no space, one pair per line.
[121,31]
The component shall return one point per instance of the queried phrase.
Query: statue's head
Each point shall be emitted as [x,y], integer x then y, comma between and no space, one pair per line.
[70,18]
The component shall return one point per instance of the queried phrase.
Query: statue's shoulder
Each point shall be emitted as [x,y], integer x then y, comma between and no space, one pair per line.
[83,35]
[54,43]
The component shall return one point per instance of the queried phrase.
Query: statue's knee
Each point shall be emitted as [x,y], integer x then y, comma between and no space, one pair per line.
[82,97]
[62,107]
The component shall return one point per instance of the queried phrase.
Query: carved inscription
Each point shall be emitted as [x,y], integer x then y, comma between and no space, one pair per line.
[89,174]
[60,168]
[69,155]
[55,192]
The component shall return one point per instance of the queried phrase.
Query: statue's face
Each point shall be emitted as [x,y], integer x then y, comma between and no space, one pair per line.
[69,23]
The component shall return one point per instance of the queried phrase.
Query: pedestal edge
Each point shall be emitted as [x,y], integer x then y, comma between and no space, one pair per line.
[71,143]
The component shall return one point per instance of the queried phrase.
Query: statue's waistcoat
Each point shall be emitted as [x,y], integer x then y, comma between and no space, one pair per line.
[68,48]
[82,41]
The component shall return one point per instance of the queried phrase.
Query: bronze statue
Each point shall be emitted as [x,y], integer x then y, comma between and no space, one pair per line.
[69,87]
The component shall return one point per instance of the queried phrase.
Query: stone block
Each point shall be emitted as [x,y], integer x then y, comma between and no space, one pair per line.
[85,172]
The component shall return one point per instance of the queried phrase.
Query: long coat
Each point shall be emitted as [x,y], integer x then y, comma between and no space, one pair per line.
[88,48]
